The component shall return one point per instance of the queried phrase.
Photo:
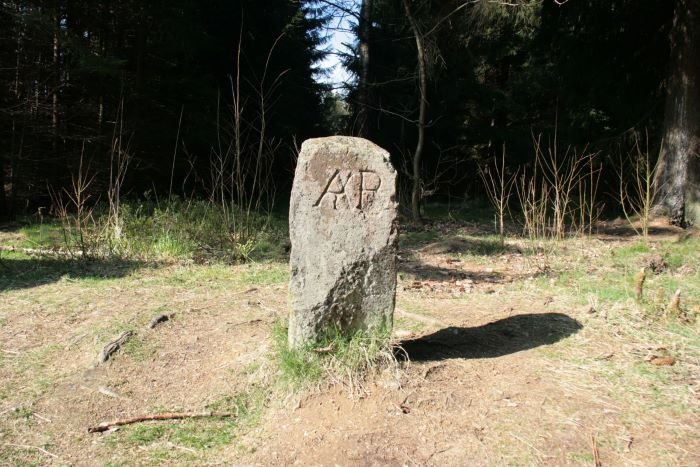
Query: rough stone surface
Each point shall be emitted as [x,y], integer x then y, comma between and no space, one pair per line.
[344,231]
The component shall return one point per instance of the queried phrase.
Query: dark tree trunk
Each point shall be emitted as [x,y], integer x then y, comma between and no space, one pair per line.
[364,90]
[416,190]
[676,177]
[4,207]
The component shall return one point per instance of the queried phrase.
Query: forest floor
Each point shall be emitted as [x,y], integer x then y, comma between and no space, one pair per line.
[517,357]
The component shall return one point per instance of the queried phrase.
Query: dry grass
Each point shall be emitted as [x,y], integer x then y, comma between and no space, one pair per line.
[510,365]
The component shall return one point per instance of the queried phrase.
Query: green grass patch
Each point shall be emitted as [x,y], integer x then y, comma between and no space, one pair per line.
[685,252]
[139,348]
[247,406]
[582,457]
[465,211]
[611,279]
[47,234]
[174,230]
[350,359]
[408,324]
[193,434]
[198,434]
[265,274]
[218,276]
[416,238]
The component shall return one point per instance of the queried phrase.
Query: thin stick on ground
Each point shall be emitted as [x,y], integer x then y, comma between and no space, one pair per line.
[27,446]
[596,454]
[104,426]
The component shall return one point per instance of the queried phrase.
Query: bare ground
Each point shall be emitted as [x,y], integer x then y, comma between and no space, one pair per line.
[515,358]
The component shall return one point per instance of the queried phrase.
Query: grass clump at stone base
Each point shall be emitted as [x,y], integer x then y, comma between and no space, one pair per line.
[337,359]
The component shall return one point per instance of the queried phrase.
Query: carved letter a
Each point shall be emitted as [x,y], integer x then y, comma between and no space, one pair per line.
[340,190]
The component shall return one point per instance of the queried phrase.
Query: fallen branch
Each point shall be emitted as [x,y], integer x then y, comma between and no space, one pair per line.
[113,346]
[104,426]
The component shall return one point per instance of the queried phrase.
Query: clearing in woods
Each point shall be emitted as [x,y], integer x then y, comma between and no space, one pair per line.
[517,357]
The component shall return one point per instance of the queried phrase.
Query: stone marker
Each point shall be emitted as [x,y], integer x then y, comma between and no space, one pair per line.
[343,228]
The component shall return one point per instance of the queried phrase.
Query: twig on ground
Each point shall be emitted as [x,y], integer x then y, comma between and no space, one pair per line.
[252,321]
[113,346]
[596,454]
[104,426]
[109,393]
[40,449]
[328,349]
[41,417]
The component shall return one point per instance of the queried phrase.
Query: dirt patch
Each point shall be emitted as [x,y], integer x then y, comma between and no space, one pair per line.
[508,365]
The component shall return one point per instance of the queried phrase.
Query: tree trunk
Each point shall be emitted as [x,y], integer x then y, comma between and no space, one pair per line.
[364,98]
[4,207]
[57,77]
[423,107]
[676,178]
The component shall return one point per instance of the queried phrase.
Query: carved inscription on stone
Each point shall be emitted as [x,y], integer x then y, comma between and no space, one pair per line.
[346,188]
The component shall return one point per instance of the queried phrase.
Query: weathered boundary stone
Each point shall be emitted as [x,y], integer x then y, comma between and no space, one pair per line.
[344,231]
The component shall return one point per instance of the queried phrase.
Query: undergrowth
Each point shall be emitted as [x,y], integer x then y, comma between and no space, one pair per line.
[152,230]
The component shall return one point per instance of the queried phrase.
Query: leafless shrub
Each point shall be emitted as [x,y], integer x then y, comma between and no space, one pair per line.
[637,190]
[73,206]
[499,188]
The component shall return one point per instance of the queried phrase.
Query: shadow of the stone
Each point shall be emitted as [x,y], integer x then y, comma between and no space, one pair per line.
[24,273]
[503,337]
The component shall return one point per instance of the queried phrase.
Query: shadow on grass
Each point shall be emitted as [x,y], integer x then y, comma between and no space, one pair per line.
[612,232]
[455,245]
[421,271]
[23,273]
[428,272]
[503,337]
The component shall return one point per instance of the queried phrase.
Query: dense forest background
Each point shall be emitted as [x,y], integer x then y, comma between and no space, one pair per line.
[212,99]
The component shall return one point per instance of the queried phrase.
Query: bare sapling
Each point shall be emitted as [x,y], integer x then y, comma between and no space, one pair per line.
[639,279]
[241,163]
[74,208]
[548,192]
[588,207]
[119,159]
[534,196]
[637,190]
[562,174]
[499,188]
